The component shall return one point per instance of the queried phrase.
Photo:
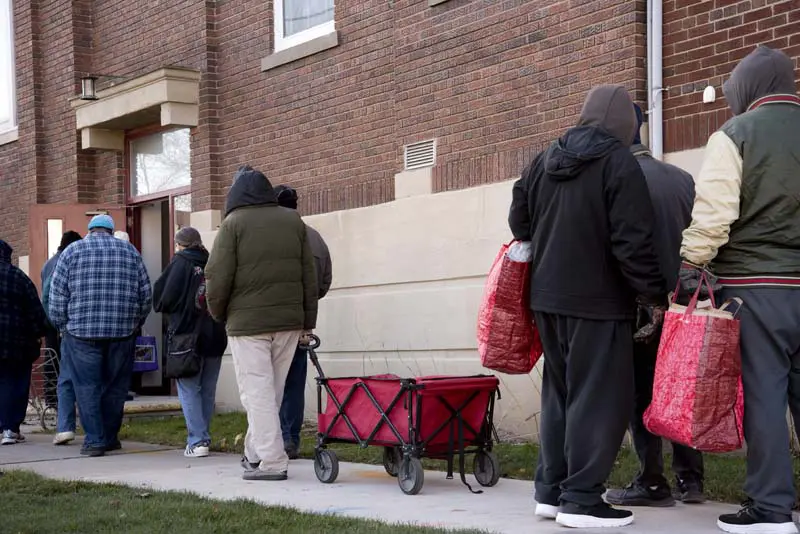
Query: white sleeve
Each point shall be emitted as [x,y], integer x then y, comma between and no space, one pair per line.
[717,197]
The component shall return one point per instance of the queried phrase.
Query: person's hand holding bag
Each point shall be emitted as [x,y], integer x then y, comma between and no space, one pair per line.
[650,317]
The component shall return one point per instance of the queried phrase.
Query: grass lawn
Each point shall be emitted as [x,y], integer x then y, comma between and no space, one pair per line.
[32,504]
[724,473]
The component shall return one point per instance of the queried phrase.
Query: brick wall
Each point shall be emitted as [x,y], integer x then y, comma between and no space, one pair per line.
[703,41]
[493,81]
[496,81]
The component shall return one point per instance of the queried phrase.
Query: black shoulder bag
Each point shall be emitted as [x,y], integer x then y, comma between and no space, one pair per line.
[183,360]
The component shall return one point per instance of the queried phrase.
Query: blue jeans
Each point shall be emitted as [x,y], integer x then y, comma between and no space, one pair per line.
[66,402]
[197,394]
[15,381]
[100,370]
[294,399]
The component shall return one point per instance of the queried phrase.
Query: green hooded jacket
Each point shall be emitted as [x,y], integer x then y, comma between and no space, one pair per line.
[261,275]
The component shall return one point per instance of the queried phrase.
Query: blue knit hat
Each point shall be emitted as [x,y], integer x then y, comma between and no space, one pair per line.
[102,221]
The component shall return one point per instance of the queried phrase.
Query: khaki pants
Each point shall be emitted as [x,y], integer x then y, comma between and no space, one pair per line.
[262,363]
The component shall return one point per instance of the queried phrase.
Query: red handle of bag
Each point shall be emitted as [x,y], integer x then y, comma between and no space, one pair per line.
[693,303]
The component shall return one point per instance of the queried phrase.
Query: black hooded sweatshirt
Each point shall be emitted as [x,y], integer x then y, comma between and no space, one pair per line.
[180,293]
[585,206]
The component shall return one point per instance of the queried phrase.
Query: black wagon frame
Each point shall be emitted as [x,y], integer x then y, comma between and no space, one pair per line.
[402,459]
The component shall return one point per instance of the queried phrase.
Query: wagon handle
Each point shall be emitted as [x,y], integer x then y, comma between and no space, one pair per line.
[312,354]
[315,343]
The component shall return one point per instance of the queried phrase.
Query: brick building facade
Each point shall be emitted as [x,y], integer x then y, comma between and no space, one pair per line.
[491,81]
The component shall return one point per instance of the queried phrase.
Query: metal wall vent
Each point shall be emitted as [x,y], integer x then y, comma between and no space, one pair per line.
[420,155]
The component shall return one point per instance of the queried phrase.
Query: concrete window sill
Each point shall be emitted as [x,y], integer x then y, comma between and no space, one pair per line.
[432,3]
[9,136]
[309,48]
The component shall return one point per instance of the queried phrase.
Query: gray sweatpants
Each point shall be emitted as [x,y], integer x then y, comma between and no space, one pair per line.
[770,341]
[587,399]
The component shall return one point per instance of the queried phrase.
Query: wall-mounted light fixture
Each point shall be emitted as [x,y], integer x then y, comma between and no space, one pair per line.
[88,88]
[709,95]
[89,85]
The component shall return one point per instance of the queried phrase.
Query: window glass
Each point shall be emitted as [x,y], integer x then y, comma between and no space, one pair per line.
[55,229]
[160,162]
[8,104]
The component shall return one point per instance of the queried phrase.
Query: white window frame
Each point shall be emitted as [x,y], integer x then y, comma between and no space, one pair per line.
[7,17]
[284,43]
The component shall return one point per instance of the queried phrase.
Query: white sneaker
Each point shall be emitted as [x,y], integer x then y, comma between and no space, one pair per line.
[11,438]
[198,451]
[547,511]
[63,438]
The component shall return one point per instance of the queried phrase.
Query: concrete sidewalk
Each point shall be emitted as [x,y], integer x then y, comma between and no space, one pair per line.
[360,491]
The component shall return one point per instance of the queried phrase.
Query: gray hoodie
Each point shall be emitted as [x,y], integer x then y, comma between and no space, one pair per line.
[763,72]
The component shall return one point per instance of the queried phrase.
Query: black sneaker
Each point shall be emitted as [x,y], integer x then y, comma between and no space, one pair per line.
[292,451]
[269,476]
[93,452]
[637,494]
[689,491]
[750,519]
[598,516]
[115,446]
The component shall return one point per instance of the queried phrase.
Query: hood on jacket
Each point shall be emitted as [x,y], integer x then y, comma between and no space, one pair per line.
[577,148]
[195,255]
[5,252]
[607,120]
[250,188]
[761,73]
[610,108]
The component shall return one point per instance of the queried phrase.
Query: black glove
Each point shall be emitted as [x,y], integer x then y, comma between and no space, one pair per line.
[690,276]
[651,314]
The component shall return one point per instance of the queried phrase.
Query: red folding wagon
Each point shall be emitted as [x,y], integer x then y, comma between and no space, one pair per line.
[435,417]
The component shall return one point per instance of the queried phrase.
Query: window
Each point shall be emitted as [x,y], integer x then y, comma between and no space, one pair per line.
[299,21]
[8,89]
[160,162]
[55,230]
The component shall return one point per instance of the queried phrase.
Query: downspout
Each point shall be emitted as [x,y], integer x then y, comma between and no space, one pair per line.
[656,89]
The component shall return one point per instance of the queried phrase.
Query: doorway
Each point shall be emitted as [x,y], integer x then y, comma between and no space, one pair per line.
[158,191]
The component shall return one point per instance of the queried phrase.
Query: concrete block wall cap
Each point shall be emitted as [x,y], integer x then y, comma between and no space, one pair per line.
[162,73]
[153,408]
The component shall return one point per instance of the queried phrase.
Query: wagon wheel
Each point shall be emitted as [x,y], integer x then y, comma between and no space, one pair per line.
[326,466]
[486,467]
[48,418]
[411,475]
[391,460]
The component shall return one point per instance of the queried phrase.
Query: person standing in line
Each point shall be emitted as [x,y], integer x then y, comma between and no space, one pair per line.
[584,205]
[22,325]
[261,281]
[672,193]
[59,390]
[293,405]
[746,230]
[180,292]
[99,296]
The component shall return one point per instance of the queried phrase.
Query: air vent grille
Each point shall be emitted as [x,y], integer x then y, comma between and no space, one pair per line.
[420,155]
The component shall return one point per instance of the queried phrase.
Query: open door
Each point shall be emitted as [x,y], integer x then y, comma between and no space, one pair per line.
[48,222]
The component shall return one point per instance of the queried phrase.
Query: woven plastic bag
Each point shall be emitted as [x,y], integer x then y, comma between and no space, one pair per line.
[508,341]
[697,394]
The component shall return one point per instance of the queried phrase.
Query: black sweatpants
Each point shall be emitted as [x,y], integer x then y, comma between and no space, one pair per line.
[687,463]
[587,399]
[770,342]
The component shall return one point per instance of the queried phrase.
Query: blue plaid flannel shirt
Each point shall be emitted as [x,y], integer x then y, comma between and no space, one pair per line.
[100,289]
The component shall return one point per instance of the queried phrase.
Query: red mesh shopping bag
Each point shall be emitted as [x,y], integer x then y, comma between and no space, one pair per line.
[697,395]
[508,341]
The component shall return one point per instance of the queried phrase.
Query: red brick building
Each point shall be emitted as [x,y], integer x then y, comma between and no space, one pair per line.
[355,103]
